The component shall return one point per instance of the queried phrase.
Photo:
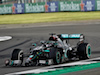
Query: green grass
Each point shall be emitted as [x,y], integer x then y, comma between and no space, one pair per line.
[48,17]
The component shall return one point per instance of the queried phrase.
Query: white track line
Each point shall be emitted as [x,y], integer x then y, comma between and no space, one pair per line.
[5,38]
[52,68]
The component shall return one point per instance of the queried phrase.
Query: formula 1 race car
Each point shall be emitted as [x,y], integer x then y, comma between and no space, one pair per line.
[57,49]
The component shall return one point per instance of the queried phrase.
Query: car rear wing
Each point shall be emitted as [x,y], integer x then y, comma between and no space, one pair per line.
[71,36]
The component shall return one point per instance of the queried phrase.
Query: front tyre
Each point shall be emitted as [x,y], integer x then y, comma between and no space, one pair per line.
[17,54]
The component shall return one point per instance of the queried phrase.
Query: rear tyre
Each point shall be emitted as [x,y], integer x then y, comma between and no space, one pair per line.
[17,54]
[84,51]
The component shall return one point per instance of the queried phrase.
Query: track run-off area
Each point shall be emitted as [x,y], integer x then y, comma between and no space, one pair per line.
[22,37]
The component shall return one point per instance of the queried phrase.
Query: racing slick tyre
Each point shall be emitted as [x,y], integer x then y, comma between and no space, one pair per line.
[57,59]
[17,54]
[84,51]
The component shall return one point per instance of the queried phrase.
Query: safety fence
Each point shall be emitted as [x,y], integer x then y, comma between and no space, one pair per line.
[54,6]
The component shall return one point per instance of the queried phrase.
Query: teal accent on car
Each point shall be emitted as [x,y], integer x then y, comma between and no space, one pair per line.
[66,56]
[70,36]
[89,51]
[34,57]
[40,53]
[66,53]
[74,36]
[37,55]
[55,44]
[31,56]
[46,50]
[64,35]
[62,57]
[34,44]
[12,62]
[46,62]
[58,60]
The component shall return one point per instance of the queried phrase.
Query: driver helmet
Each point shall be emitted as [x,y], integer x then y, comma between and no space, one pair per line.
[52,38]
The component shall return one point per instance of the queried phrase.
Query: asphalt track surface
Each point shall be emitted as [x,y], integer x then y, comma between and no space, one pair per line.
[24,37]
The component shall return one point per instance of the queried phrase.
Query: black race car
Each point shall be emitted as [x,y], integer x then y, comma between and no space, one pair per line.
[57,49]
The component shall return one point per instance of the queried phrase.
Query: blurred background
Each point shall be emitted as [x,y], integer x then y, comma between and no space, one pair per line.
[28,1]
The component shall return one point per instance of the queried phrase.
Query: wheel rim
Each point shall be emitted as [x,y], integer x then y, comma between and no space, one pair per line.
[58,57]
[88,50]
